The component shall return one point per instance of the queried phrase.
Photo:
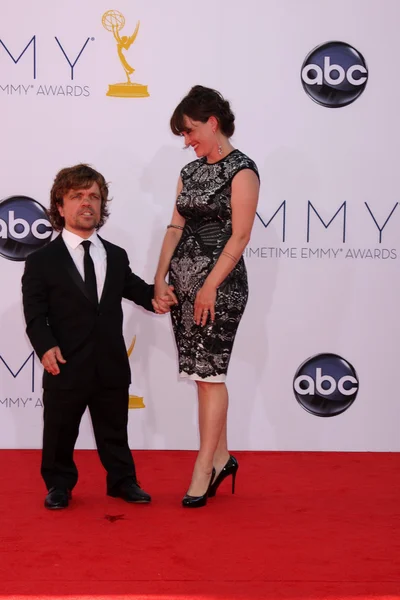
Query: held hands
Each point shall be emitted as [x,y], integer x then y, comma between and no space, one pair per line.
[50,360]
[204,305]
[164,297]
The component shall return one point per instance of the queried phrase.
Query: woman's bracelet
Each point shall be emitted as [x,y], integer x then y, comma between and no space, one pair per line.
[175,226]
[230,256]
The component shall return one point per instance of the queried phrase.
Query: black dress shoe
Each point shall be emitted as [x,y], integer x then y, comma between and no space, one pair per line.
[197,501]
[57,498]
[230,468]
[130,491]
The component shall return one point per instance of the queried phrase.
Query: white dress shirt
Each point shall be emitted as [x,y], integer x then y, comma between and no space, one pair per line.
[97,252]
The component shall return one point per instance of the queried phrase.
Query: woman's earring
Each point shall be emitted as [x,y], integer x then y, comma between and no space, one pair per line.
[219,145]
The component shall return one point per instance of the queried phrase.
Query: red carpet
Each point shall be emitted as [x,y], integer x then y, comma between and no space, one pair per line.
[302,526]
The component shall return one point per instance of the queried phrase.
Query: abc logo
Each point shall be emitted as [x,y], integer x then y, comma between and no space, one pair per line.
[24,227]
[334,74]
[326,385]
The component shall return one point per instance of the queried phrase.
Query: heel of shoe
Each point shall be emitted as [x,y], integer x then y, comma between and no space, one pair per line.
[233,481]
[230,468]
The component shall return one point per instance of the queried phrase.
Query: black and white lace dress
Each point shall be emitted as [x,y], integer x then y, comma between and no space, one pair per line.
[205,203]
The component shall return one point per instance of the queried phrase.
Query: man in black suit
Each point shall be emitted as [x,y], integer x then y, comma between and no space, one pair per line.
[72,291]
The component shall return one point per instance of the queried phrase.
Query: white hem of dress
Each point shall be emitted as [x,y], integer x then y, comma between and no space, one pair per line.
[210,379]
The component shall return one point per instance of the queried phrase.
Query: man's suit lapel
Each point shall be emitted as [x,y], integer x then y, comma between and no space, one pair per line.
[66,259]
[110,270]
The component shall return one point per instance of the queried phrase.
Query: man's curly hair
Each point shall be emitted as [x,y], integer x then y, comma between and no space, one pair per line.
[74,178]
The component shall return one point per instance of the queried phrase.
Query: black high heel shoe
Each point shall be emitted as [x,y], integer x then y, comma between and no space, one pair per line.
[230,468]
[198,501]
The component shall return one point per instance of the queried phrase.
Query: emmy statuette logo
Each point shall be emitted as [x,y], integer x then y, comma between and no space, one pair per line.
[114,21]
[134,401]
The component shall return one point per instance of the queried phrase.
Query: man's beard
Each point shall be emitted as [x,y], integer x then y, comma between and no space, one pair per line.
[86,224]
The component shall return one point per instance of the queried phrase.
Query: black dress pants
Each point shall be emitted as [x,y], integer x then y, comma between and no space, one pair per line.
[63,410]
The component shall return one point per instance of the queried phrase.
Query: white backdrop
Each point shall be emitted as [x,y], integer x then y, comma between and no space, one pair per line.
[299,306]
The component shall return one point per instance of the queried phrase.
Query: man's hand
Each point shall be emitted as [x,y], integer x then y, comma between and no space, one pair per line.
[162,305]
[164,298]
[50,360]
[165,293]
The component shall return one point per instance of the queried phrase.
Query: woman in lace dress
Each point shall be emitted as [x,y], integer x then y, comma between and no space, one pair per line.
[202,252]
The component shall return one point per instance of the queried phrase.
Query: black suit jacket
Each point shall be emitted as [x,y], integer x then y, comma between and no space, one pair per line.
[58,312]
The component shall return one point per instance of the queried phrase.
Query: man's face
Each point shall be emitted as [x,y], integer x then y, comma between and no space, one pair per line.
[81,209]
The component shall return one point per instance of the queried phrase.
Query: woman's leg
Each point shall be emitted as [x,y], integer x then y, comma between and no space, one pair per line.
[213,407]
[221,455]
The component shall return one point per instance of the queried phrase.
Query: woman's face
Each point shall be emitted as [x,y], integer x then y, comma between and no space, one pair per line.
[200,136]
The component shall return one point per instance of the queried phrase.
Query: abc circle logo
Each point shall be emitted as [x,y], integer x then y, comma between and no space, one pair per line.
[325,385]
[24,227]
[334,74]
